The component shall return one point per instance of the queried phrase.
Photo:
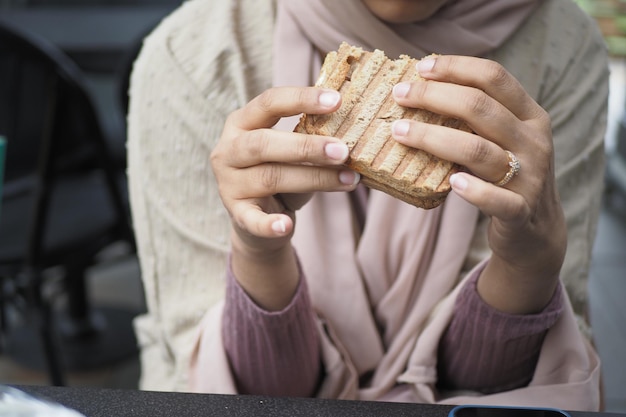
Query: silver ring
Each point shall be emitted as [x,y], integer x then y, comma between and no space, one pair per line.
[514,168]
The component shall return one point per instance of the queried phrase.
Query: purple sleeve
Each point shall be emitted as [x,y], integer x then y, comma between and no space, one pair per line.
[271,353]
[489,351]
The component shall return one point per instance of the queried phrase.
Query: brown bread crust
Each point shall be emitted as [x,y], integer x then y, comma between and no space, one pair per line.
[365,81]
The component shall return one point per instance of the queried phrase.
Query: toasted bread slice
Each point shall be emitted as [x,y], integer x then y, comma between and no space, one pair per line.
[363,121]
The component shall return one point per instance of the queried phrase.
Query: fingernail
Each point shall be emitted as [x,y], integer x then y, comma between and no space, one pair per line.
[401,90]
[329,98]
[338,151]
[349,177]
[400,128]
[425,65]
[458,182]
[279,227]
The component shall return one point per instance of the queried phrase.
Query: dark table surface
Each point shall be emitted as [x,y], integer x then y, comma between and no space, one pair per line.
[96,402]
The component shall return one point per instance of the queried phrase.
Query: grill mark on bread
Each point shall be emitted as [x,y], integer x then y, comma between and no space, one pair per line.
[361,88]
[373,120]
[396,153]
[351,75]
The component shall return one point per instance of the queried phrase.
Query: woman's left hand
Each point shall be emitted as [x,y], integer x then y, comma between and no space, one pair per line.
[527,232]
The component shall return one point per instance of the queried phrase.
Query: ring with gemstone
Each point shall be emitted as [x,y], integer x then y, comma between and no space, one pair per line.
[514,168]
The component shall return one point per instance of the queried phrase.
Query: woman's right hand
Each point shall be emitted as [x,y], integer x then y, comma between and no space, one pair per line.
[264,175]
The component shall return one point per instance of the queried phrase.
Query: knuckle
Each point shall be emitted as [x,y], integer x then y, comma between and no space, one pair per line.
[538,137]
[233,118]
[265,101]
[238,217]
[237,146]
[224,194]
[519,210]
[217,154]
[230,118]
[420,90]
[256,146]
[448,64]
[497,75]
[544,120]
[478,151]
[479,104]
[318,179]
[305,148]
[301,96]
[215,157]
[545,147]
[270,177]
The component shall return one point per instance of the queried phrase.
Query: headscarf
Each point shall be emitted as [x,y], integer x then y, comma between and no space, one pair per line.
[463,27]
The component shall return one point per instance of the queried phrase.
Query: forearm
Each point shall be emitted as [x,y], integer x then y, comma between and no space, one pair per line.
[271,353]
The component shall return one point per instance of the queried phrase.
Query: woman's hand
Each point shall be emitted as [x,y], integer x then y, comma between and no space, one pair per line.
[264,175]
[527,232]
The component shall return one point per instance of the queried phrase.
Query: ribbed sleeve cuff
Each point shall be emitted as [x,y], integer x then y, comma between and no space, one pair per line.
[271,353]
[488,350]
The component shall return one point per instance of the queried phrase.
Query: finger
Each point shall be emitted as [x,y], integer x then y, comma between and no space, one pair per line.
[482,74]
[493,201]
[482,157]
[269,179]
[270,145]
[251,218]
[486,116]
[267,108]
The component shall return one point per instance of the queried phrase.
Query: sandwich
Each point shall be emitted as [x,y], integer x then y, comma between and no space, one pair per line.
[363,121]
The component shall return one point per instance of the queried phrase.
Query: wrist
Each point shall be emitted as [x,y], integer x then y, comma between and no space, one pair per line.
[515,290]
[259,250]
[268,273]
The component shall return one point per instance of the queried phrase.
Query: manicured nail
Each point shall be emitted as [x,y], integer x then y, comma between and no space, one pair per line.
[425,65]
[279,227]
[401,90]
[458,182]
[349,177]
[338,151]
[329,98]
[400,128]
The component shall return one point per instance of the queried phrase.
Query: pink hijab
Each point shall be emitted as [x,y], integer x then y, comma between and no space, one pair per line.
[468,27]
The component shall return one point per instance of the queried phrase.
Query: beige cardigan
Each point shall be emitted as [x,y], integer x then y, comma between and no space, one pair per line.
[211,56]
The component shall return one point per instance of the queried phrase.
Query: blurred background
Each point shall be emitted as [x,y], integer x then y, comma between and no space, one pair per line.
[69,278]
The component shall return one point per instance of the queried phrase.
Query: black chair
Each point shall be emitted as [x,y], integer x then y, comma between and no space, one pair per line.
[63,200]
